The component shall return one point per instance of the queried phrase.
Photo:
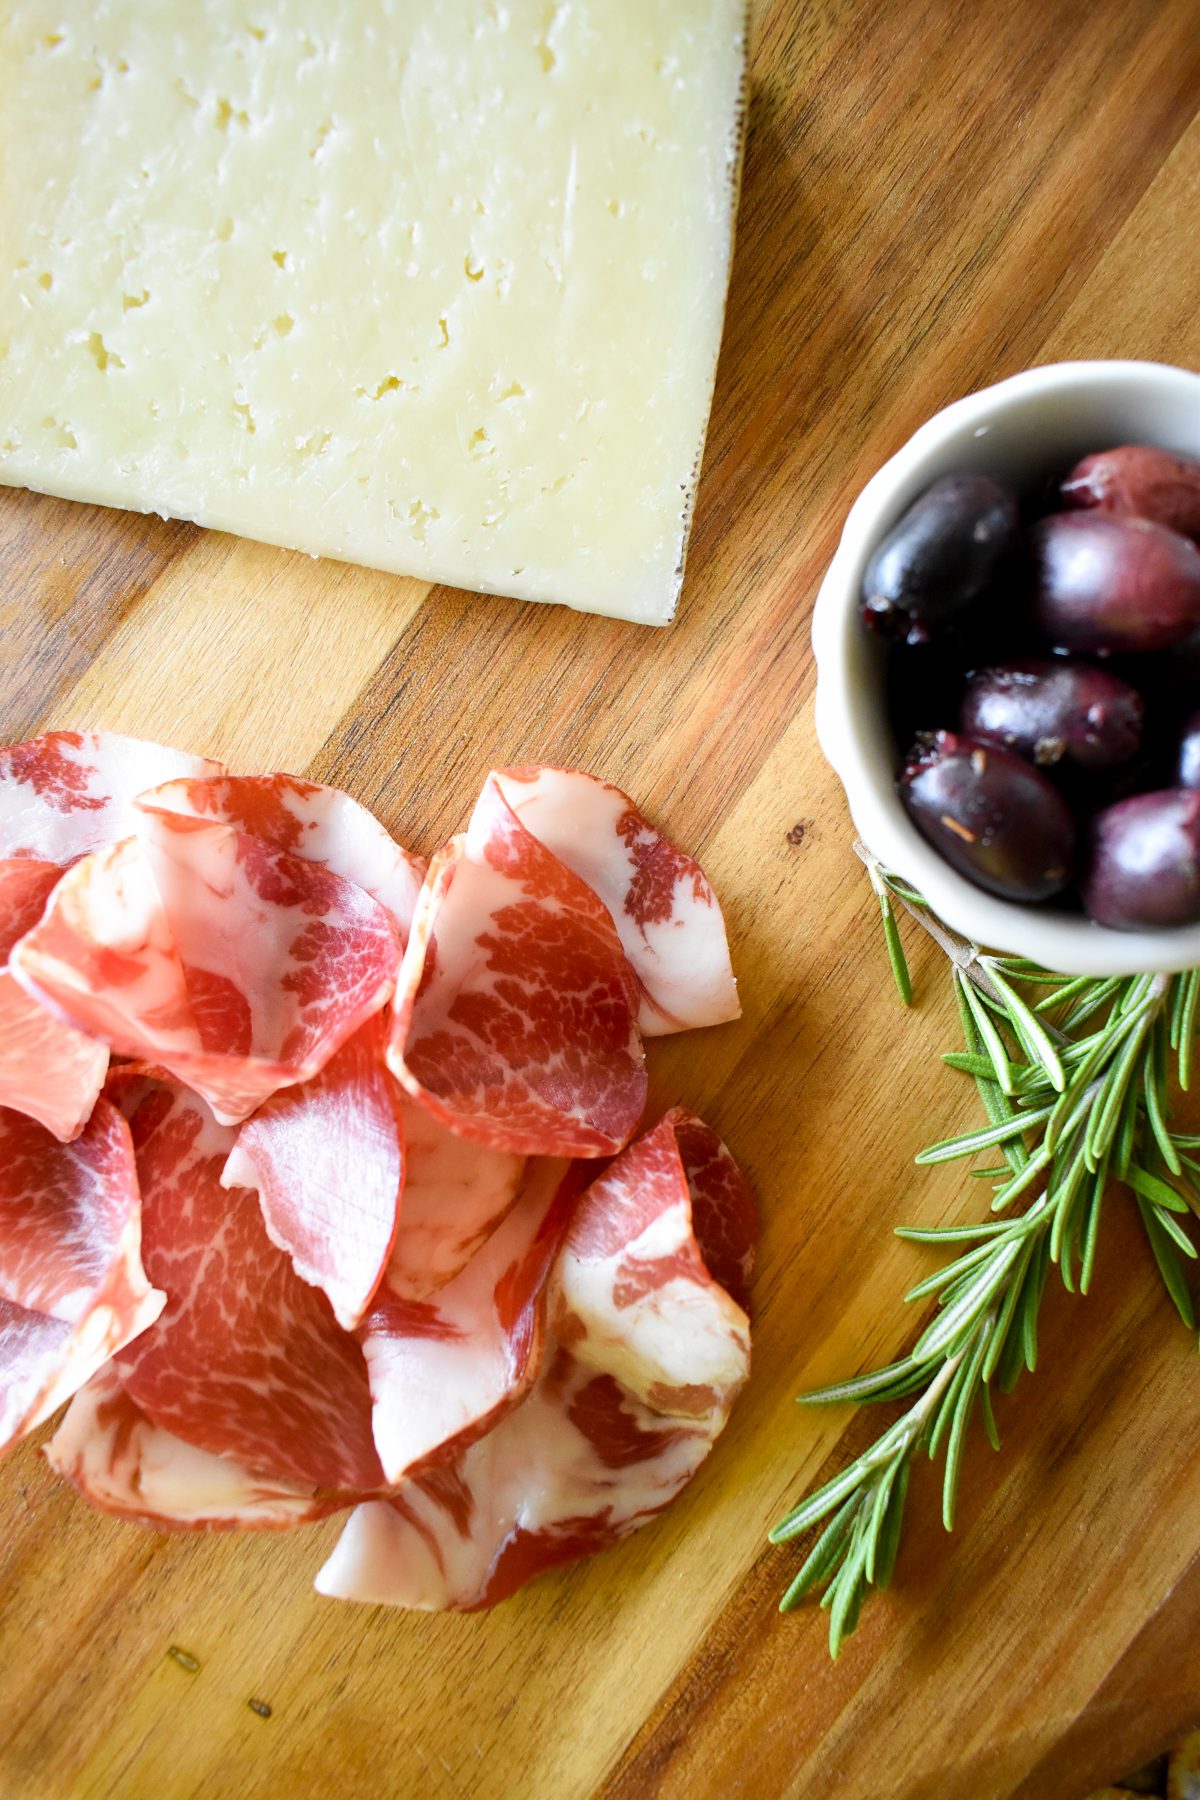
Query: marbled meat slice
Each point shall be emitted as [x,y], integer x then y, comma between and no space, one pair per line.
[724,1218]
[35,1352]
[103,956]
[71,792]
[239,968]
[247,1360]
[48,1069]
[124,1464]
[62,796]
[456,1192]
[282,959]
[515,1008]
[618,1419]
[73,1289]
[667,915]
[26,883]
[444,1370]
[327,1161]
[657,1251]
[318,824]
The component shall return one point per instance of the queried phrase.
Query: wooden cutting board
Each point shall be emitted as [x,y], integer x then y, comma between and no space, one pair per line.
[936,195]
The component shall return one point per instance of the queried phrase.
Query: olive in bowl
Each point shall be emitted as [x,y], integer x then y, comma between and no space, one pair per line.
[940,557]
[1138,481]
[1030,433]
[991,814]
[1055,710]
[1108,586]
[1002,804]
[1143,867]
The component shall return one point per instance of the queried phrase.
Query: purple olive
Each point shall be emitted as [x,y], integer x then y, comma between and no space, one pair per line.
[1138,481]
[1055,711]
[1187,769]
[938,559]
[1104,585]
[995,818]
[1144,862]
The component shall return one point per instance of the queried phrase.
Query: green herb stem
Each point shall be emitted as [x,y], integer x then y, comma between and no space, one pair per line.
[1076,1085]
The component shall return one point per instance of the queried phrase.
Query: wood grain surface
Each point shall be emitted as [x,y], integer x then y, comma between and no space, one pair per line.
[936,195]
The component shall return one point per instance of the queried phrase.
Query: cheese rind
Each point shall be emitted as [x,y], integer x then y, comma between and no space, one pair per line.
[434,289]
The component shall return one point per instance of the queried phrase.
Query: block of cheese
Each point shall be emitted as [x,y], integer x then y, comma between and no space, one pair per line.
[431,285]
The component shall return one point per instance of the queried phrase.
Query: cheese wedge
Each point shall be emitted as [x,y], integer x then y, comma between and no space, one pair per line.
[435,287]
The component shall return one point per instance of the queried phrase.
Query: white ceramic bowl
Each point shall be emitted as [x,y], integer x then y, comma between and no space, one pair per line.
[1033,425]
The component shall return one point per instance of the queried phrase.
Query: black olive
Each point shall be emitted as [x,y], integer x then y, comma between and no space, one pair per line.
[1144,862]
[1104,585]
[938,559]
[1187,768]
[995,817]
[1138,481]
[1055,711]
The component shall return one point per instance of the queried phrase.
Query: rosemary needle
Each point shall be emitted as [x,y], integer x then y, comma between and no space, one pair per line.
[1075,1075]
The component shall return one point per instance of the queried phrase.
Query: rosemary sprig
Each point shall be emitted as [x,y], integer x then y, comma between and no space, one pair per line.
[1075,1075]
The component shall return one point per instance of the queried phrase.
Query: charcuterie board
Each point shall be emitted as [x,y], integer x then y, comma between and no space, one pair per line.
[934,197]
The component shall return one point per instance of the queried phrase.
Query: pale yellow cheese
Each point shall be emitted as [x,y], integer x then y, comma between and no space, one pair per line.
[431,285]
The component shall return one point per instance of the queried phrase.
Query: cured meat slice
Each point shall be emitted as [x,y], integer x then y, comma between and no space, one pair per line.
[71,792]
[48,1070]
[576,1468]
[62,796]
[68,1213]
[282,959]
[26,883]
[327,1160]
[723,1213]
[237,967]
[318,824]
[103,957]
[666,913]
[247,1360]
[639,1292]
[442,1371]
[123,1463]
[72,1286]
[35,1358]
[645,1358]
[514,1019]
[455,1194]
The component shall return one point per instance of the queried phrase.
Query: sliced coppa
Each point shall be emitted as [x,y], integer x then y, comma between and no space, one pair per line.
[724,1219]
[327,1161]
[26,883]
[617,1421]
[123,1463]
[103,957]
[71,792]
[48,1069]
[455,1194]
[443,1371]
[576,1468]
[282,959]
[665,912]
[73,1289]
[318,824]
[36,1362]
[62,796]
[638,1293]
[239,968]
[515,1015]
[247,1360]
